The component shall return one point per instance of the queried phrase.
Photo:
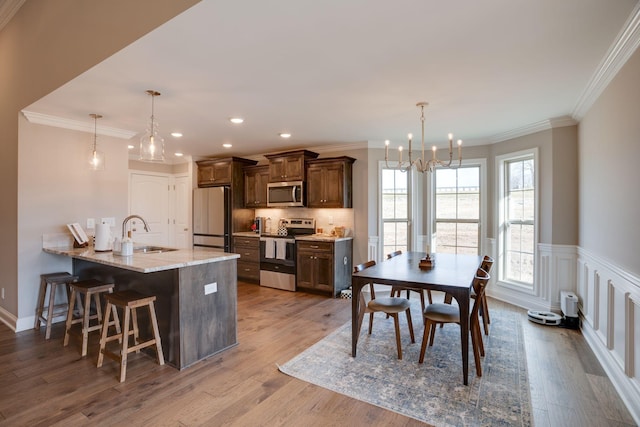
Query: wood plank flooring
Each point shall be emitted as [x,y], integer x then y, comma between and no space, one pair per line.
[43,383]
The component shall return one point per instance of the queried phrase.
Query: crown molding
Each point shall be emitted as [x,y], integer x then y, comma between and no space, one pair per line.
[553,123]
[59,122]
[8,8]
[622,48]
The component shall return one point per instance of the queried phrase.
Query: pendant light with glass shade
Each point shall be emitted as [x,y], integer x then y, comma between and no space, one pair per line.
[151,143]
[96,158]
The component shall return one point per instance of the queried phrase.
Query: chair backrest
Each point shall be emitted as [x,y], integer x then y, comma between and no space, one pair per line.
[364,265]
[361,267]
[487,263]
[392,254]
[479,283]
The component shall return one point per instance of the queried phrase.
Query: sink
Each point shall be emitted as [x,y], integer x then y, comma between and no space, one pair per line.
[152,249]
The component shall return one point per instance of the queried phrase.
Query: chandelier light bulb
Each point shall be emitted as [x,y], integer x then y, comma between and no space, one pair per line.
[96,157]
[151,143]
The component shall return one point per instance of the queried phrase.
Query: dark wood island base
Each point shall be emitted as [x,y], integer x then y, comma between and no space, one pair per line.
[196,305]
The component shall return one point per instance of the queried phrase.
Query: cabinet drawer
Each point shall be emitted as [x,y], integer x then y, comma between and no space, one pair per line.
[249,270]
[248,254]
[315,246]
[246,242]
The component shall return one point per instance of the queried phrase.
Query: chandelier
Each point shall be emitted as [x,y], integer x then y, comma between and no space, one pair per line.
[151,143]
[422,164]
[96,158]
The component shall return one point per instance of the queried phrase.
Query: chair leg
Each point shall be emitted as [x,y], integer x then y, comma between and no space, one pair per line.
[429,296]
[69,318]
[425,337]
[475,327]
[371,322]
[50,310]
[485,314]
[125,344]
[476,349]
[396,323]
[156,333]
[103,334]
[432,334]
[410,324]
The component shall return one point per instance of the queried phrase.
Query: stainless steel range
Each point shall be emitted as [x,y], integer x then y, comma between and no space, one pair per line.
[278,254]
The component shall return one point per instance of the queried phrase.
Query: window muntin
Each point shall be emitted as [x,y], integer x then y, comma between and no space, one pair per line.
[457,210]
[395,210]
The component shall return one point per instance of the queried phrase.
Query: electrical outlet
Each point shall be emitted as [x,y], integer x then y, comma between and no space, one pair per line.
[91,223]
[109,220]
[211,288]
[331,220]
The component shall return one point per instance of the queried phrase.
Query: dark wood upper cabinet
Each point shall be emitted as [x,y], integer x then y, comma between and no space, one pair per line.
[330,182]
[255,186]
[289,166]
[222,171]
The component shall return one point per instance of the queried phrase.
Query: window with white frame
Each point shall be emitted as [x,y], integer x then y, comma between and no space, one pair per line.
[457,210]
[517,218]
[395,209]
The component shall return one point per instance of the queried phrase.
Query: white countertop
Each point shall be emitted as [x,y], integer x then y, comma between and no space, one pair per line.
[146,262]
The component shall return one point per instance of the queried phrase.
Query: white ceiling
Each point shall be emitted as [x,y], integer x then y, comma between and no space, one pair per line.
[341,72]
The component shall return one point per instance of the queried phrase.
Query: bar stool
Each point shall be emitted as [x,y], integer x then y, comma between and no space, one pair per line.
[52,281]
[89,288]
[129,301]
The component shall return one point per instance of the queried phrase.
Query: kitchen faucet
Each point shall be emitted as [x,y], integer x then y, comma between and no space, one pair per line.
[124,222]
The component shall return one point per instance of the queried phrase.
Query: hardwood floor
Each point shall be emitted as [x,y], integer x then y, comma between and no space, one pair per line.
[44,383]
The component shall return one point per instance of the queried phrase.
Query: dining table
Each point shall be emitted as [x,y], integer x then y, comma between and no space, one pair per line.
[450,273]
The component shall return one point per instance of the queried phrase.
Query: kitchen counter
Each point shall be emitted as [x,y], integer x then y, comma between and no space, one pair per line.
[311,237]
[146,262]
[196,294]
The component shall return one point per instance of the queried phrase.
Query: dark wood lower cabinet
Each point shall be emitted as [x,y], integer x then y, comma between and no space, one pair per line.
[249,262]
[324,266]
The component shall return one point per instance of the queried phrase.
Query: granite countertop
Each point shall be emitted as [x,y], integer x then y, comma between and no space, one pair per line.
[146,262]
[309,238]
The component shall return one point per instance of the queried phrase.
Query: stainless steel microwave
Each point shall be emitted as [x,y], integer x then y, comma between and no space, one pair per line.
[283,194]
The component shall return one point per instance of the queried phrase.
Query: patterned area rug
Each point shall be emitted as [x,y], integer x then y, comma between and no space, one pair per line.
[432,392]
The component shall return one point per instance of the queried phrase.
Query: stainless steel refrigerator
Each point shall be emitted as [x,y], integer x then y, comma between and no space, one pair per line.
[212,218]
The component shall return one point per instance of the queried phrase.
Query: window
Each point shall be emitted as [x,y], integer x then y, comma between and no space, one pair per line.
[457,210]
[518,219]
[395,210]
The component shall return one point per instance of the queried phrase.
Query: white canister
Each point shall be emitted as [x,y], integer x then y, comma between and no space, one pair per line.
[103,238]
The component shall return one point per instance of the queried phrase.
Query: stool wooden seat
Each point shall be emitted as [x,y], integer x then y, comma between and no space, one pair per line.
[129,301]
[51,282]
[89,288]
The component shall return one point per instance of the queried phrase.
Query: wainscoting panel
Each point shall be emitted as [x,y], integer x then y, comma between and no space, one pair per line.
[609,303]
[372,248]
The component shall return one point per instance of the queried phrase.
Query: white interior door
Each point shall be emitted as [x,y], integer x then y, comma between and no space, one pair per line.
[149,198]
[182,213]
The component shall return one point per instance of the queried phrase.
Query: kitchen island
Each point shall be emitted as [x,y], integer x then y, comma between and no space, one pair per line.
[195,289]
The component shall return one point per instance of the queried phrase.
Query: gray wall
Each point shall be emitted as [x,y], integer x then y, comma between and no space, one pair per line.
[609,151]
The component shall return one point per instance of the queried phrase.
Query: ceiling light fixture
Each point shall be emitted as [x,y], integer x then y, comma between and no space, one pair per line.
[178,154]
[176,134]
[285,135]
[423,165]
[151,143]
[96,158]
[236,120]
[227,145]
[131,147]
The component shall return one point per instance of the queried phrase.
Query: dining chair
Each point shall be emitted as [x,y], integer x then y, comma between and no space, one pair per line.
[396,290]
[447,313]
[391,306]
[486,264]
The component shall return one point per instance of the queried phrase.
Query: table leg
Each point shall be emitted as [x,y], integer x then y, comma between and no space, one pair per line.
[462,297]
[356,289]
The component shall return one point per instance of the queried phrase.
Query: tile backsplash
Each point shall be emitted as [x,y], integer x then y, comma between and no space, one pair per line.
[326,219]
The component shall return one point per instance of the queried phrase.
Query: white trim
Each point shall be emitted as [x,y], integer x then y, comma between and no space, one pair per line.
[623,47]
[531,128]
[372,248]
[60,122]
[8,8]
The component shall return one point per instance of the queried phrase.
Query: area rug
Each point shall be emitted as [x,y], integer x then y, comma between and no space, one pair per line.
[431,392]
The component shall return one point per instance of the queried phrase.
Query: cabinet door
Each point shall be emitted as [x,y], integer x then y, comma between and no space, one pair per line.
[315,193]
[286,168]
[323,272]
[333,188]
[255,187]
[205,175]
[305,264]
[222,173]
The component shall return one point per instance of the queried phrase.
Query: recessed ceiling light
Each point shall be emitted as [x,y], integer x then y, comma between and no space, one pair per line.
[178,154]
[227,145]
[131,147]
[285,135]
[176,134]
[236,120]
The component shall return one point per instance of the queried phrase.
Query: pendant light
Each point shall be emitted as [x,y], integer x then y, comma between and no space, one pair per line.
[96,158]
[151,143]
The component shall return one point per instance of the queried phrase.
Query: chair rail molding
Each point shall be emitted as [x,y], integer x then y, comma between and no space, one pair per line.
[609,305]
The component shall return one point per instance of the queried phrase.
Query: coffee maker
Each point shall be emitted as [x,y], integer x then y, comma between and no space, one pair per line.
[259,222]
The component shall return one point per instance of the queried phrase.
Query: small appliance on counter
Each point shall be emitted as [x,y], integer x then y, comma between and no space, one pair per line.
[102,242]
[259,225]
